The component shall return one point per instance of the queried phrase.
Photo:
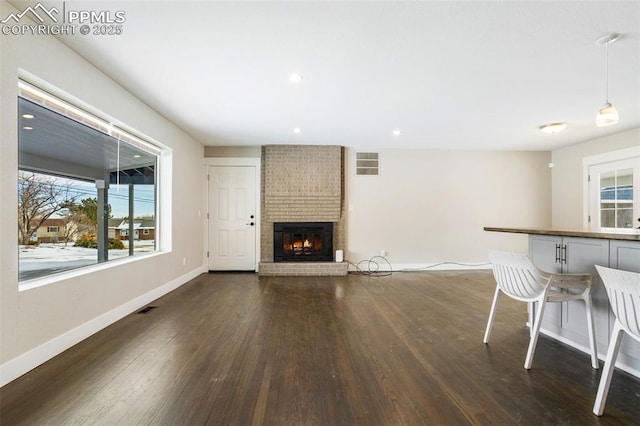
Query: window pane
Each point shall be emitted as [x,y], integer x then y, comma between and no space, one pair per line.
[608,218]
[144,201]
[625,218]
[117,226]
[624,193]
[51,224]
[608,194]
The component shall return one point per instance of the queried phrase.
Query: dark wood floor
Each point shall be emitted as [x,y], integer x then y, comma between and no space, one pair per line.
[235,349]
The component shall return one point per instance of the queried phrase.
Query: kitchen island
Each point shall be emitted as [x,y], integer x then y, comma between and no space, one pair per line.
[578,251]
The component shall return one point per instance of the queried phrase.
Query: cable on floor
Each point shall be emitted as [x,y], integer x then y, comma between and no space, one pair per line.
[371,267]
[443,263]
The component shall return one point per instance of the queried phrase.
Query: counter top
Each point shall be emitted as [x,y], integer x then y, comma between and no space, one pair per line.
[609,234]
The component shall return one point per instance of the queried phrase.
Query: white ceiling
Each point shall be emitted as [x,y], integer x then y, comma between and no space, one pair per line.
[449,75]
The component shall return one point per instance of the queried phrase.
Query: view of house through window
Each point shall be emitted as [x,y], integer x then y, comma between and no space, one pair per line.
[616,199]
[86,191]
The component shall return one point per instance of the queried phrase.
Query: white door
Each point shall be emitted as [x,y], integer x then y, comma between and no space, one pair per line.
[614,194]
[232,218]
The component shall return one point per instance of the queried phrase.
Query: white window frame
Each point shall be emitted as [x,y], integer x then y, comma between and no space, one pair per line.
[600,161]
[163,173]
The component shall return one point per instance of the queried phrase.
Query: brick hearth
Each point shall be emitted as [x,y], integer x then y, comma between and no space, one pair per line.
[297,269]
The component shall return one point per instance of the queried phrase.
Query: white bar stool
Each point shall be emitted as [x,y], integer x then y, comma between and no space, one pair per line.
[517,277]
[623,289]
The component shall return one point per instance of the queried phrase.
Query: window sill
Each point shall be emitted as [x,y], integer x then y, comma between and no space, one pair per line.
[62,276]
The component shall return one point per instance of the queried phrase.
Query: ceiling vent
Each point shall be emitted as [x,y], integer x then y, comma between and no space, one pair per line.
[367,163]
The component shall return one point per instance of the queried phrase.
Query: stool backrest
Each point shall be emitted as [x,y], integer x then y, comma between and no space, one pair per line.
[623,289]
[517,276]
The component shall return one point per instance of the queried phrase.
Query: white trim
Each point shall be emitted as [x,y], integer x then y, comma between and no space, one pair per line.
[233,162]
[84,270]
[23,363]
[607,157]
[164,202]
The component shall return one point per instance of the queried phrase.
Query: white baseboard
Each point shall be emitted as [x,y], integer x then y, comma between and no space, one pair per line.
[383,266]
[20,365]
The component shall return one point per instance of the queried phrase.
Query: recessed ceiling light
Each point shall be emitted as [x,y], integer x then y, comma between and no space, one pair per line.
[136,156]
[397,132]
[295,78]
[28,128]
[553,127]
[28,116]
[297,130]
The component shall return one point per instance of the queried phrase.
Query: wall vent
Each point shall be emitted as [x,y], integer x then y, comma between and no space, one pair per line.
[367,163]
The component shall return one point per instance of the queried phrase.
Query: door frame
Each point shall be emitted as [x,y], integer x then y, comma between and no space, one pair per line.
[232,162]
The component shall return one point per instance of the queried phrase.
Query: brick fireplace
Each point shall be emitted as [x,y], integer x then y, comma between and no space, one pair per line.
[302,183]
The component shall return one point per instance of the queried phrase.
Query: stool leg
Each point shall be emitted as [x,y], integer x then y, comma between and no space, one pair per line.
[591,330]
[536,331]
[492,314]
[607,371]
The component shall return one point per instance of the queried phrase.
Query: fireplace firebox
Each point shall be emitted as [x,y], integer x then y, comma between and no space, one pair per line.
[303,241]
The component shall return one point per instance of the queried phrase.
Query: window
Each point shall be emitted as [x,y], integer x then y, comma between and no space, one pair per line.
[615,194]
[616,199]
[84,180]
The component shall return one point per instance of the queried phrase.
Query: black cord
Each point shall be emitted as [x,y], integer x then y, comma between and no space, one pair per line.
[445,263]
[372,268]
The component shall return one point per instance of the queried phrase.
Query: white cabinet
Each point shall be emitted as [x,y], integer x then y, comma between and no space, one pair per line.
[566,321]
[625,255]
[574,255]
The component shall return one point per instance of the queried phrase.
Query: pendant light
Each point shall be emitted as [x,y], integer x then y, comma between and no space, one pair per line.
[607,114]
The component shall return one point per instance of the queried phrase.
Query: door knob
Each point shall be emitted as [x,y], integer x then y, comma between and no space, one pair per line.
[251,223]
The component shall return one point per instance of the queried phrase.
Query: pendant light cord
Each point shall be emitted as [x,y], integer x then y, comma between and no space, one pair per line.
[606,70]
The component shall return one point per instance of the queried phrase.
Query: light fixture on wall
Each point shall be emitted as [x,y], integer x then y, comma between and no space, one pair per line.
[607,114]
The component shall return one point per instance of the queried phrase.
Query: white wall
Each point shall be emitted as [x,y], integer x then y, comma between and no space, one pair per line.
[427,207]
[40,322]
[567,177]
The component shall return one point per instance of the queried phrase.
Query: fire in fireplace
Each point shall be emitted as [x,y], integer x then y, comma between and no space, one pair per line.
[302,241]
